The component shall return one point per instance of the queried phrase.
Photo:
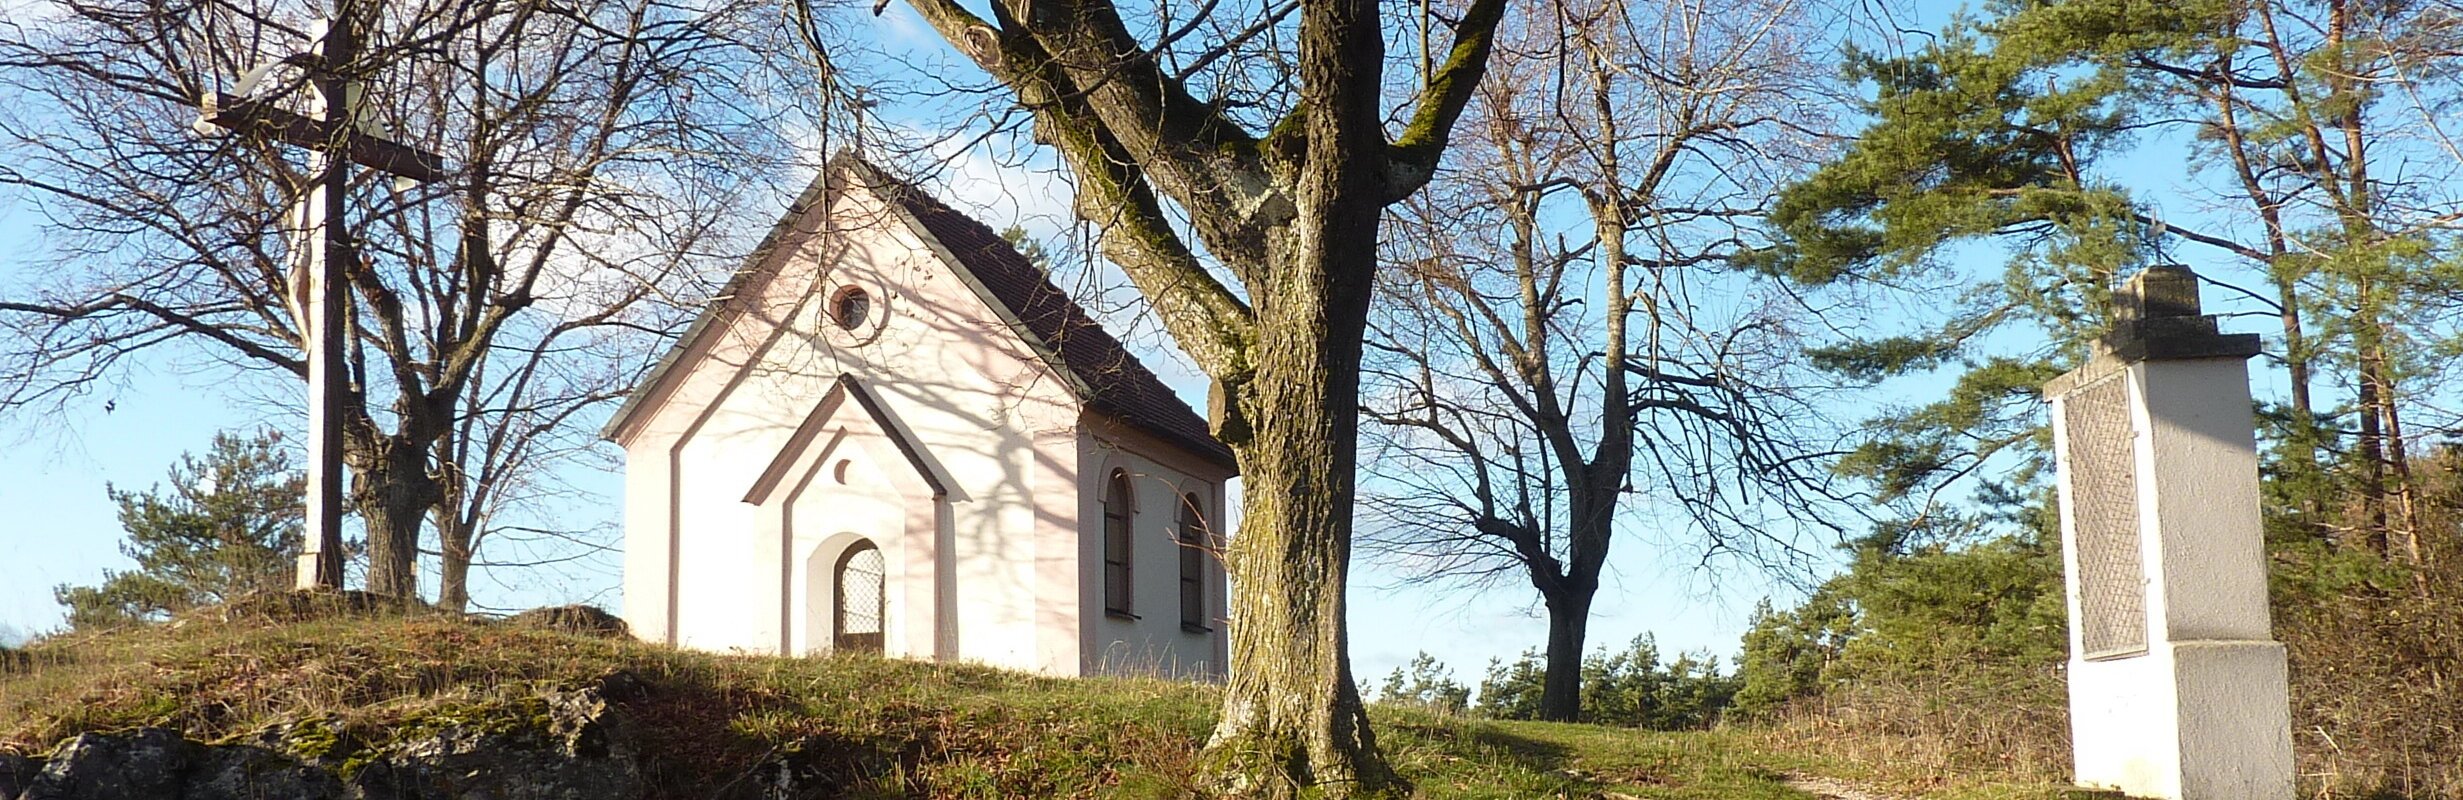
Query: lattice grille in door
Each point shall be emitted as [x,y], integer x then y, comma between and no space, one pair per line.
[860,599]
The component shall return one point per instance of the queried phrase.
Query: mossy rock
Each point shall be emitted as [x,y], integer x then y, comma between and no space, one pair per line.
[583,620]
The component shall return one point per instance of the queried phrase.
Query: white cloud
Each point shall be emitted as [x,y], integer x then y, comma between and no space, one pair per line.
[29,13]
[1008,186]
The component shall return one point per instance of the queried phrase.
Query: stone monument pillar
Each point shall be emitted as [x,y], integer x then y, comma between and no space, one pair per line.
[2177,687]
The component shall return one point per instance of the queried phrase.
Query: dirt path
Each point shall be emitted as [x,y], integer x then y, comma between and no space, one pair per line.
[1832,789]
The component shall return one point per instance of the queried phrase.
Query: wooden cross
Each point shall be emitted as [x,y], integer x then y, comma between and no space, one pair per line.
[320,300]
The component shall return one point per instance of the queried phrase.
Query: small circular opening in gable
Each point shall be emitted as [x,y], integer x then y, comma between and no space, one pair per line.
[850,308]
[840,472]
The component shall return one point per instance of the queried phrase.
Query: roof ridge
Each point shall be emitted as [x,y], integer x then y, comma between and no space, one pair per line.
[1111,379]
[1101,371]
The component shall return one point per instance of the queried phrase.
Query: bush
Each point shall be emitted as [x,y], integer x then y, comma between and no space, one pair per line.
[2375,646]
[1938,651]
[1626,689]
[1428,685]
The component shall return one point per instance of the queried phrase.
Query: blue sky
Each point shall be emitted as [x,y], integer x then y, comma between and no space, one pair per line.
[54,470]
[60,528]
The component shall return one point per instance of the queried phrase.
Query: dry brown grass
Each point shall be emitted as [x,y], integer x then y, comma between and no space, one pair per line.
[1935,738]
[704,723]
[2375,659]
[896,727]
[2376,704]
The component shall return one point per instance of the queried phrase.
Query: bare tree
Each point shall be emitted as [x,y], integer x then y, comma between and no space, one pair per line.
[1258,133]
[1562,340]
[597,150]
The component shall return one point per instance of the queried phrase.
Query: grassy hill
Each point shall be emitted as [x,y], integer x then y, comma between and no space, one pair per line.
[340,685]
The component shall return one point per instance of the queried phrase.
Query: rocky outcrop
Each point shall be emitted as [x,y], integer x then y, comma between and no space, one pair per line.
[145,763]
[15,772]
[582,754]
[576,619]
[151,763]
[568,744]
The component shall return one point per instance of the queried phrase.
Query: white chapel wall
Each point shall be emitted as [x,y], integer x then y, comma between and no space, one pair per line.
[1153,643]
[943,365]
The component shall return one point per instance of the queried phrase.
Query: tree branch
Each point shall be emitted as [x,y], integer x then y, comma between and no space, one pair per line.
[1412,159]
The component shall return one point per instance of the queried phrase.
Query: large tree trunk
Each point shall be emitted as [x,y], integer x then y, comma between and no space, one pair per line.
[393,491]
[1569,621]
[1294,217]
[1292,716]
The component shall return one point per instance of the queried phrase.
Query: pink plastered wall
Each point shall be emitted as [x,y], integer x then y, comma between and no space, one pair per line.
[976,478]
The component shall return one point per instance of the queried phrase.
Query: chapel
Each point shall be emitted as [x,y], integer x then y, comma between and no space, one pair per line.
[892,433]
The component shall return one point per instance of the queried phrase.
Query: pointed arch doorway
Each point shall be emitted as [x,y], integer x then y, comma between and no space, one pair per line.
[857,618]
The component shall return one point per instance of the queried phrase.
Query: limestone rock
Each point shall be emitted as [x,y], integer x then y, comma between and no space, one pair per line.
[144,764]
[242,772]
[578,619]
[15,772]
[583,755]
[578,749]
[159,764]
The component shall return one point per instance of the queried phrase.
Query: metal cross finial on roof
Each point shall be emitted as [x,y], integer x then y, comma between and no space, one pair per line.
[335,136]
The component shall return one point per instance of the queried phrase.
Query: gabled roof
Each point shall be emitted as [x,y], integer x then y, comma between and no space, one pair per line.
[826,412]
[1102,372]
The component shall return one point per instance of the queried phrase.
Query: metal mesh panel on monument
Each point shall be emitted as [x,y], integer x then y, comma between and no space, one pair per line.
[2103,496]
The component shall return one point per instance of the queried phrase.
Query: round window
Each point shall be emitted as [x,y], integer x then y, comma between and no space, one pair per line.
[851,308]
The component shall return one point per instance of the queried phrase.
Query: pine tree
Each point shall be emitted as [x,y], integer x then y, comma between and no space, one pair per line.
[1785,652]
[1028,246]
[1427,684]
[1512,691]
[2016,133]
[228,524]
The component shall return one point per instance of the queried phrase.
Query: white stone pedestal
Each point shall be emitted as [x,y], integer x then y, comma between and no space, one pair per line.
[2177,688]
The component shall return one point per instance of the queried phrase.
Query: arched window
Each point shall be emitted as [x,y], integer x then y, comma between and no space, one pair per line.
[858,625]
[1118,589]
[1193,545]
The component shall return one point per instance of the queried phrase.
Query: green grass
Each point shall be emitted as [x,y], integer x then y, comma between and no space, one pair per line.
[891,728]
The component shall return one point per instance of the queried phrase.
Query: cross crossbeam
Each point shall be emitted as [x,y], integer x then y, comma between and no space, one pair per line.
[264,119]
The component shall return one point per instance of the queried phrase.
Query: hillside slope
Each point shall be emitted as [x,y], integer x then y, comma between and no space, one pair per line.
[414,704]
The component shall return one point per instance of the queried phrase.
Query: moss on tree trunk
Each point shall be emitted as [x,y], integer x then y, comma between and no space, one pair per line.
[1292,717]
